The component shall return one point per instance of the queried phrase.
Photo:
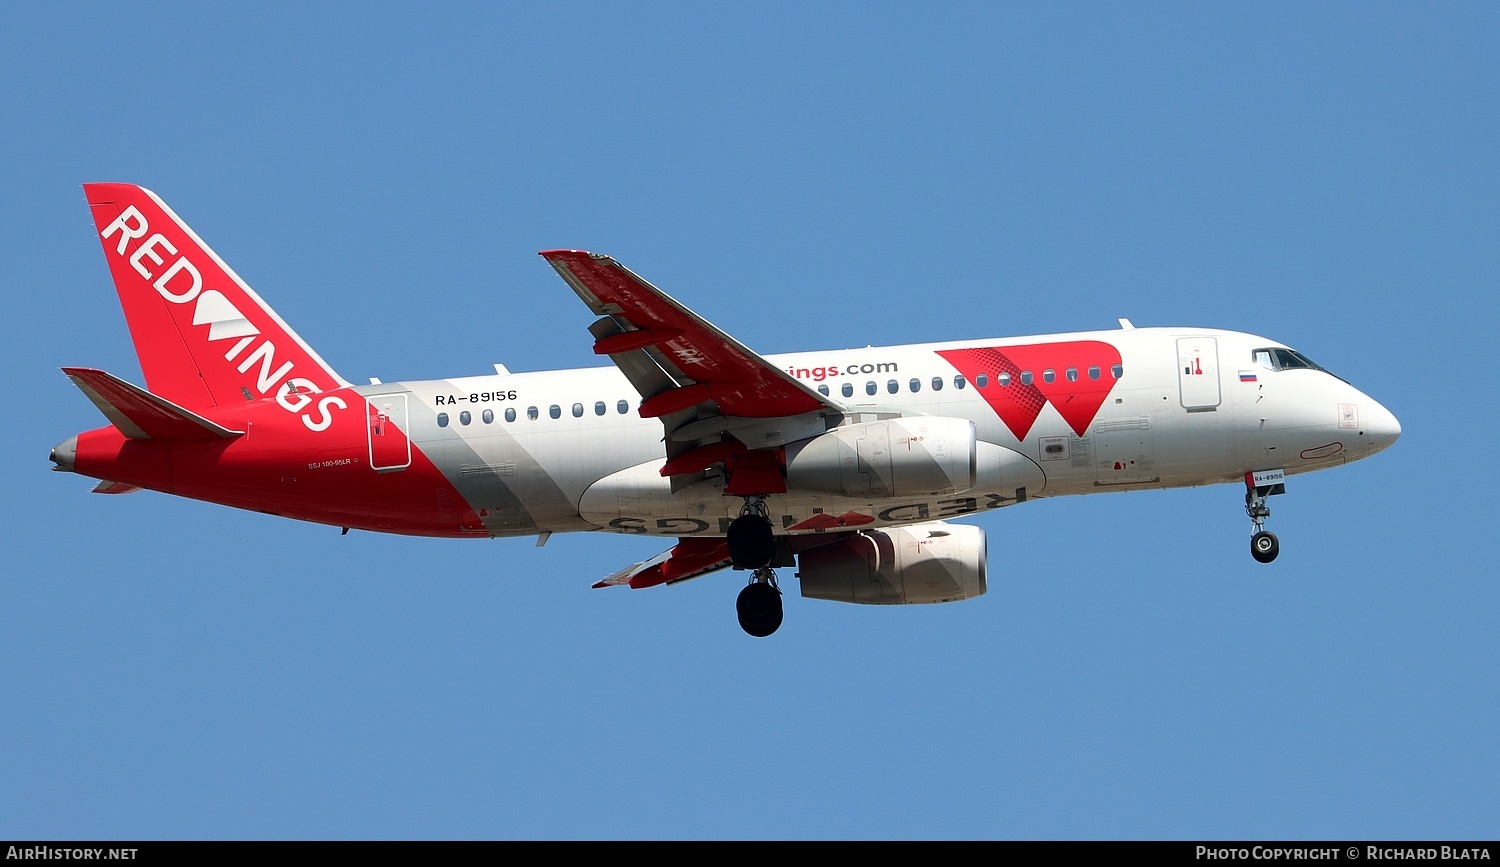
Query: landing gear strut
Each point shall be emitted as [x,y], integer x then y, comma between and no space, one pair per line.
[1263,543]
[752,545]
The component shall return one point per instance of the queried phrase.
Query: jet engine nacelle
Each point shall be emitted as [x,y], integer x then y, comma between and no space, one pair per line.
[934,562]
[897,457]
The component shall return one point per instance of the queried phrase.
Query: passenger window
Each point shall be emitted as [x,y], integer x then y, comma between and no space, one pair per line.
[823,390]
[622,407]
[848,389]
[1072,374]
[892,386]
[870,387]
[937,383]
[1116,371]
[915,384]
[1048,375]
[464,417]
[1003,379]
[531,413]
[555,411]
[959,381]
[442,419]
[1026,377]
[983,381]
[599,408]
[578,410]
[488,417]
[510,413]
[1094,371]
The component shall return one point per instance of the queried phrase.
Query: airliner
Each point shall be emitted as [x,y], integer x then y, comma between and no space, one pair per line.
[856,467]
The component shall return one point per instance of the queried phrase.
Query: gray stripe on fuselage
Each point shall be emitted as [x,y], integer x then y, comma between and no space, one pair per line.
[490,483]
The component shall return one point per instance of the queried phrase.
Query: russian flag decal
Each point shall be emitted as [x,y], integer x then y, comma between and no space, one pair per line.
[1247,376]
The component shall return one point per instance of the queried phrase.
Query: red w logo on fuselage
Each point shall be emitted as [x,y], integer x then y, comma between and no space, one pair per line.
[1074,376]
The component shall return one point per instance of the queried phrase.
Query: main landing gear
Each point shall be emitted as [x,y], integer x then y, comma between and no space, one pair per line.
[752,546]
[759,604]
[1263,543]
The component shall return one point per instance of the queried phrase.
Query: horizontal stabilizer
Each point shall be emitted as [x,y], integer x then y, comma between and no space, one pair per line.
[108,487]
[139,414]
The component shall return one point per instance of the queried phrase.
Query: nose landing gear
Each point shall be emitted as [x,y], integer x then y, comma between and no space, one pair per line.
[1264,545]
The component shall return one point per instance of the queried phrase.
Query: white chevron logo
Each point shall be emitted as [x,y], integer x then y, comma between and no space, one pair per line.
[224,320]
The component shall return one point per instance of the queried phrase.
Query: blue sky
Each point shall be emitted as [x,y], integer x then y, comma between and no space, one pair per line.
[807,176]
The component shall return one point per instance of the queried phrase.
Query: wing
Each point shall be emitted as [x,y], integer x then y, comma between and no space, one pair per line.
[708,364]
[689,558]
[719,402]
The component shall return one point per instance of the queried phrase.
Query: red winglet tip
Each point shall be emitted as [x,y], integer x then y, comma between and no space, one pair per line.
[561,253]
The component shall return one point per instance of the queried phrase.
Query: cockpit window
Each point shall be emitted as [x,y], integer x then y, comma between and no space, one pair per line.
[1286,359]
[1278,358]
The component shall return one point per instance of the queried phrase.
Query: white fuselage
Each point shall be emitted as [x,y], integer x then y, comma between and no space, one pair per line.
[565,450]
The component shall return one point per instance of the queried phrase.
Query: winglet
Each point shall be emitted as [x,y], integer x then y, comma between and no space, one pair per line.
[139,414]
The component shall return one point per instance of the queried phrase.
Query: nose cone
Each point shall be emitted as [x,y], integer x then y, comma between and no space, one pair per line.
[64,454]
[1380,426]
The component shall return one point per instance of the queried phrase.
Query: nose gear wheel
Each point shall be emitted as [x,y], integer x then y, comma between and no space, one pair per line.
[1264,546]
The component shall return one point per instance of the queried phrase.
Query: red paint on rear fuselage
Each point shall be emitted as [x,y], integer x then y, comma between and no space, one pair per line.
[280,467]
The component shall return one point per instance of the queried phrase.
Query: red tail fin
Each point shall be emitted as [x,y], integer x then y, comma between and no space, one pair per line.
[203,337]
